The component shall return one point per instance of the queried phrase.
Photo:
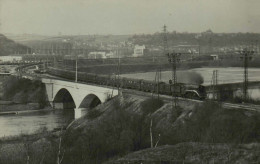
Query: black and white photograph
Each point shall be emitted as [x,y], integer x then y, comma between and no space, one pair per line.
[129,82]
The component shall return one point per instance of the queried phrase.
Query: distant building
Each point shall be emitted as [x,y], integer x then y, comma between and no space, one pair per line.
[214,57]
[10,59]
[97,55]
[139,50]
[208,32]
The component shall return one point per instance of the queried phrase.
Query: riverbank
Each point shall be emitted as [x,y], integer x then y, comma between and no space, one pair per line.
[22,111]
[11,106]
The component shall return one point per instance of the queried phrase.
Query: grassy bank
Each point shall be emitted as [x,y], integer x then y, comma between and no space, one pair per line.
[41,147]
[194,153]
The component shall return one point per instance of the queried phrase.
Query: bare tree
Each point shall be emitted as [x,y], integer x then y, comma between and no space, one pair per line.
[60,153]
[151,133]
[159,136]
[27,145]
[45,148]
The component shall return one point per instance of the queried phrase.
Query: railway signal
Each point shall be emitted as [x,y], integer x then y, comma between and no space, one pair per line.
[246,55]
[174,58]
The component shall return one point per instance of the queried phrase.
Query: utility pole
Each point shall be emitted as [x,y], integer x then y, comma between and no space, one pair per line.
[256,47]
[118,70]
[246,55]
[214,84]
[165,51]
[165,41]
[1,17]
[76,72]
[157,81]
[174,58]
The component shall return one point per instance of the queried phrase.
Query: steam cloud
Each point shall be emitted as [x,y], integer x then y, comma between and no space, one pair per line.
[189,77]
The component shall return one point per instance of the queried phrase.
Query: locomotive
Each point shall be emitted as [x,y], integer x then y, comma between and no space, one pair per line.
[180,89]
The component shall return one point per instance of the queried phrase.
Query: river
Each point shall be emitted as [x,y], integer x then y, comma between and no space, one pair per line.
[225,75]
[28,123]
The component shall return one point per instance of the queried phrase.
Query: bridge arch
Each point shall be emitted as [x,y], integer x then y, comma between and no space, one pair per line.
[90,101]
[63,100]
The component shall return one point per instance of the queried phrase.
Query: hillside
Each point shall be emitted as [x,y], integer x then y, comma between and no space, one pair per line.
[119,131]
[122,126]
[8,46]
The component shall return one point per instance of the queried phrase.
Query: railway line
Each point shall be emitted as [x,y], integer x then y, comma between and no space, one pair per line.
[226,105]
[168,98]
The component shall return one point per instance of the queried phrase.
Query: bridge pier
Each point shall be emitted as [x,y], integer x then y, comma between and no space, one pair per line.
[78,112]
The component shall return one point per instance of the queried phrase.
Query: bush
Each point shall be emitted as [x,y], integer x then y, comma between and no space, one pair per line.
[210,122]
[151,105]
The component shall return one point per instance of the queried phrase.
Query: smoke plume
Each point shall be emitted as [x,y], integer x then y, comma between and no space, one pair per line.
[189,77]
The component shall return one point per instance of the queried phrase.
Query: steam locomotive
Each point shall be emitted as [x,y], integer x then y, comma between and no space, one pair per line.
[180,89]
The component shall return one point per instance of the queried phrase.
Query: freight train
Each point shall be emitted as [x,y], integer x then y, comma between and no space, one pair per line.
[180,89]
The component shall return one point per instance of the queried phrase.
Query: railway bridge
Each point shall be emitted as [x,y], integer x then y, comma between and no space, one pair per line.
[66,95]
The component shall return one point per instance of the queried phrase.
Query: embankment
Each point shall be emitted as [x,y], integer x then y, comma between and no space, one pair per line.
[120,131]
[125,125]
[22,94]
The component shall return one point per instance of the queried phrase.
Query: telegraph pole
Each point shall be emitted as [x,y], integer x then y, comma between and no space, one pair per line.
[165,51]
[246,55]
[0,17]
[174,58]
[118,70]
[76,72]
[165,41]
[157,81]
[214,84]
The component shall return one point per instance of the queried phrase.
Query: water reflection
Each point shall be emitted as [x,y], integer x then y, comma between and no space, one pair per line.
[30,122]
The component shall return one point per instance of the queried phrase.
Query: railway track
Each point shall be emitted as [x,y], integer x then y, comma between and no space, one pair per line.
[250,107]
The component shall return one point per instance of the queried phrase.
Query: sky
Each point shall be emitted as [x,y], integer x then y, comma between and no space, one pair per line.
[87,17]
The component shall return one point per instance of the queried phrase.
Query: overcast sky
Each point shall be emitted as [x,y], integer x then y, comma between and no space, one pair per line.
[128,16]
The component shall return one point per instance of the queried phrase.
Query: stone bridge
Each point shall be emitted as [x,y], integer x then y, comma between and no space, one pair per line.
[80,96]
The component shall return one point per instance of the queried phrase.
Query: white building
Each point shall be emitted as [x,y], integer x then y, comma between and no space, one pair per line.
[97,55]
[214,57]
[10,59]
[139,50]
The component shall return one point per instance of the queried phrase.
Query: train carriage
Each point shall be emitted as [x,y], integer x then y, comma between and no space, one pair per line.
[147,86]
